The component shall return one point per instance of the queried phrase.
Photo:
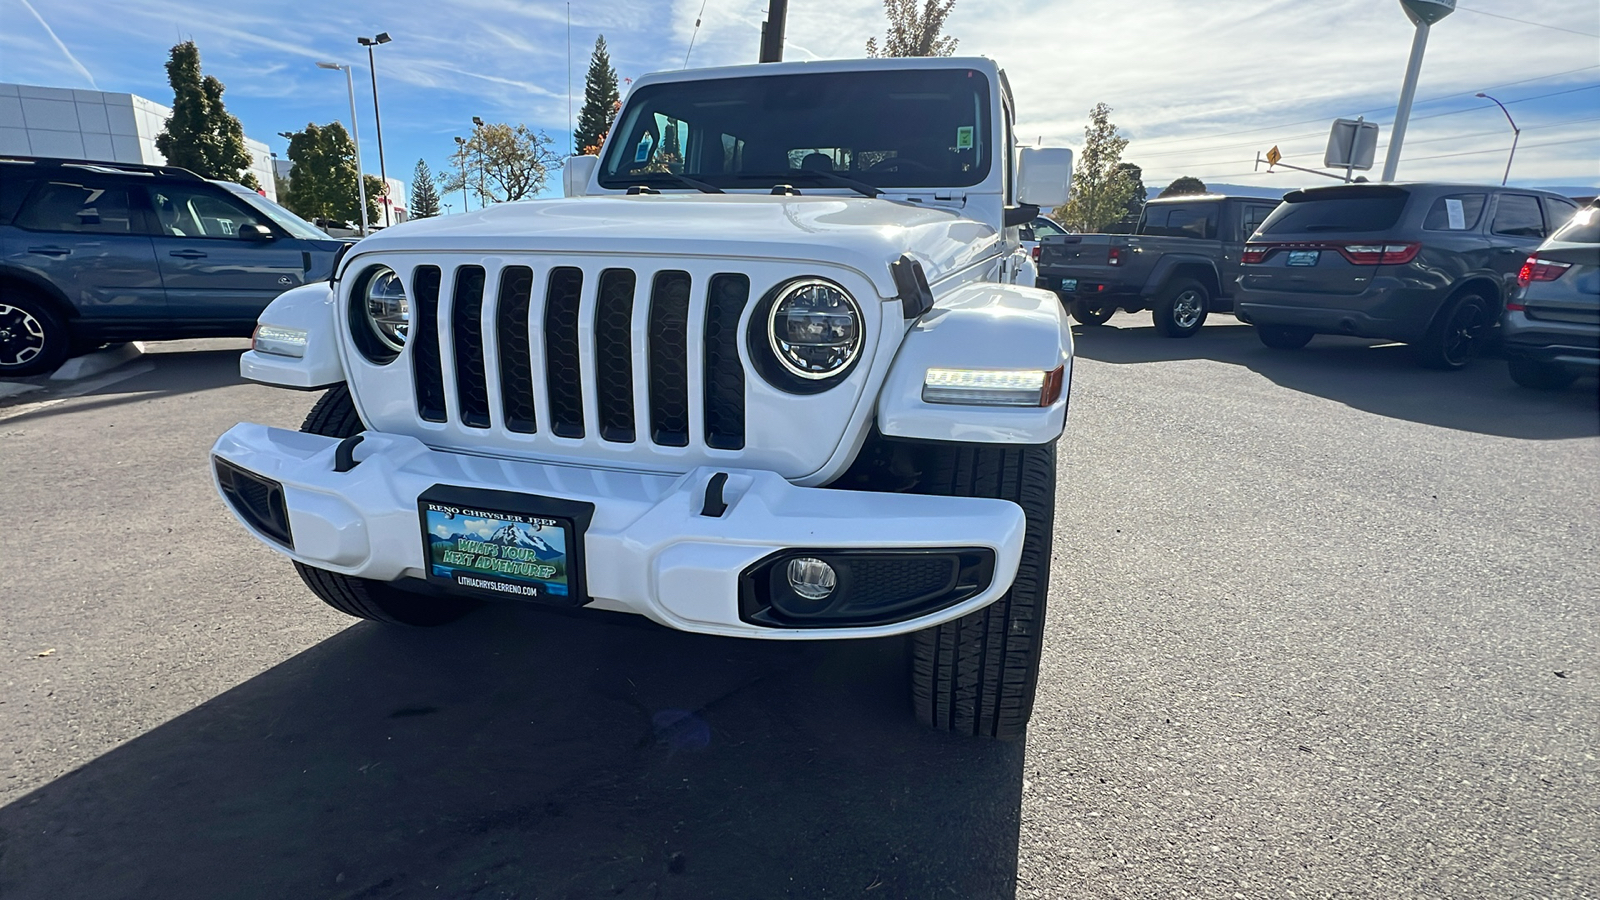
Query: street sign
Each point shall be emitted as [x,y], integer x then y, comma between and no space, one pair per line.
[1352,144]
[1273,156]
[1429,11]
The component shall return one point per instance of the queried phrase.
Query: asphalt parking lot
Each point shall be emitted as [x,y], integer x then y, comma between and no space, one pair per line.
[1323,624]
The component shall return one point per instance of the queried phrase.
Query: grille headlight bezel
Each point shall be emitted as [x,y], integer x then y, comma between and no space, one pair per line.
[379,323]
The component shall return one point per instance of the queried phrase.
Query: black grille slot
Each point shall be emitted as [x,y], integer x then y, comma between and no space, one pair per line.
[724,387]
[669,359]
[613,354]
[562,372]
[516,360]
[466,328]
[257,500]
[427,372]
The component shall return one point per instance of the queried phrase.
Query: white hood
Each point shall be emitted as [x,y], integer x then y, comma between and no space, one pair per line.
[858,232]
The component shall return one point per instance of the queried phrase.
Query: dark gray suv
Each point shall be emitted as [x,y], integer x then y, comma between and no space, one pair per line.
[93,252]
[1551,330]
[1426,264]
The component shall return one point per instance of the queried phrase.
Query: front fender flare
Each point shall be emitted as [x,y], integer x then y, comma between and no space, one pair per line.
[309,308]
[980,326]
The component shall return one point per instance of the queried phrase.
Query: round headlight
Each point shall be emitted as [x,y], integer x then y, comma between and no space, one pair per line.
[388,311]
[815,329]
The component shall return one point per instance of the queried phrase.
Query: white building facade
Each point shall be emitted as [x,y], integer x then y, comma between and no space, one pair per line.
[96,125]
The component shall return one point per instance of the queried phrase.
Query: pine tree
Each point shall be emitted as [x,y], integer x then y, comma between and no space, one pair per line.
[424,196]
[202,136]
[1100,186]
[914,32]
[600,100]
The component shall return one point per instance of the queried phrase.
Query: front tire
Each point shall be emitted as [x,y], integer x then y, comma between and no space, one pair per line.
[1540,376]
[1284,337]
[34,338]
[1090,315]
[1457,334]
[335,416]
[977,675]
[1181,308]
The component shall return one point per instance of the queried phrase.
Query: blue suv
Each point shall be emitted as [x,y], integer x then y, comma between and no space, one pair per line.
[92,252]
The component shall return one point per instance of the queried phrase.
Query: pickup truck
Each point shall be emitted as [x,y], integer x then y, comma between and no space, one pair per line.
[1180,263]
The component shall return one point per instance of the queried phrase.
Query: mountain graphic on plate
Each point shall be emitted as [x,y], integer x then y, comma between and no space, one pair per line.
[512,535]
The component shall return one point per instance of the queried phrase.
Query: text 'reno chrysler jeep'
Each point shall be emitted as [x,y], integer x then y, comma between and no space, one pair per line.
[775,368]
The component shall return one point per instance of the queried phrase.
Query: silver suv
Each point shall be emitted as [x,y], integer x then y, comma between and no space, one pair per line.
[1551,329]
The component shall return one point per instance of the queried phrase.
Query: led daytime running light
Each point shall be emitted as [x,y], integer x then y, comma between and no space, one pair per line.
[280,341]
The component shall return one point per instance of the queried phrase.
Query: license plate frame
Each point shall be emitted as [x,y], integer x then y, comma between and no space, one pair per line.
[503,542]
[1303,257]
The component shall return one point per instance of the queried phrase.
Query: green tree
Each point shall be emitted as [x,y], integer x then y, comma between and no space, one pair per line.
[1188,184]
[424,196]
[322,184]
[201,135]
[600,100]
[502,163]
[913,31]
[1140,196]
[1101,188]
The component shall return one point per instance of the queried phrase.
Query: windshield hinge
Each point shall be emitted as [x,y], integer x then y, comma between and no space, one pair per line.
[949,195]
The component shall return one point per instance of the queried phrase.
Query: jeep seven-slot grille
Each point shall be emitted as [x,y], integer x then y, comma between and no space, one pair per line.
[525,318]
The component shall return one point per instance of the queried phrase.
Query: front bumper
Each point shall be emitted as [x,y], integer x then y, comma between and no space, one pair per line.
[649,548]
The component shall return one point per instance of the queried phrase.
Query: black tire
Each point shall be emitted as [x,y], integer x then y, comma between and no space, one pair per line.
[1458,333]
[1090,315]
[1540,376]
[1284,337]
[977,675]
[1181,308]
[334,415]
[34,337]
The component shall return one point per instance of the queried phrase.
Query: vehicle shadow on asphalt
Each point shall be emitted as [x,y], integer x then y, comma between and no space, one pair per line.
[1375,376]
[521,753]
[189,371]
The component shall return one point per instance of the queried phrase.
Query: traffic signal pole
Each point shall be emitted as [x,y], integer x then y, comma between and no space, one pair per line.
[772,31]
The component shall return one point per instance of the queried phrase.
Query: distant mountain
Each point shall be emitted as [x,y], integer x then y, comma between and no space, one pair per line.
[1277,191]
[511,536]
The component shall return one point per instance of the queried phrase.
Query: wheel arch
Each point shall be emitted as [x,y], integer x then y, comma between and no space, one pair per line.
[1484,284]
[1170,269]
[31,282]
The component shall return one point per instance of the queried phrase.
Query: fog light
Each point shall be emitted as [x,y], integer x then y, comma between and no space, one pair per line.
[811,579]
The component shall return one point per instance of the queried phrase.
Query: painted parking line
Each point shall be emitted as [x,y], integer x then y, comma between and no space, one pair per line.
[78,390]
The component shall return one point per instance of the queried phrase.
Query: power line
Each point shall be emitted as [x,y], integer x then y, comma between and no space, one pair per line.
[1526,22]
[1498,149]
[1492,87]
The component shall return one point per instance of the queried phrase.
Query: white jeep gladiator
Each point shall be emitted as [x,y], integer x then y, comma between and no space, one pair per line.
[774,368]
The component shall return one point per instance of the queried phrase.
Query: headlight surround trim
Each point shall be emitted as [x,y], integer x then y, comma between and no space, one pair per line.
[365,332]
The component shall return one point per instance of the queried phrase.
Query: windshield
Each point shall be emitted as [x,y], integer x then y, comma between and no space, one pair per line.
[905,128]
[288,221]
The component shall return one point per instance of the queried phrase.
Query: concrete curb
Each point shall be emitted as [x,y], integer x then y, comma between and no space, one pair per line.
[13,388]
[81,367]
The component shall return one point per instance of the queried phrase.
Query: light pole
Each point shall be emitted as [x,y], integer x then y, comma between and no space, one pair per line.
[461,164]
[477,132]
[1516,134]
[1422,13]
[355,134]
[372,66]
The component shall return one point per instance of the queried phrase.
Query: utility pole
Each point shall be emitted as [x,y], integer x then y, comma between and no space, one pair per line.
[461,164]
[772,31]
[372,66]
[1422,13]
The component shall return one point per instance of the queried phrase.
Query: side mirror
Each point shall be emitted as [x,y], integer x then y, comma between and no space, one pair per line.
[254,232]
[575,176]
[1044,176]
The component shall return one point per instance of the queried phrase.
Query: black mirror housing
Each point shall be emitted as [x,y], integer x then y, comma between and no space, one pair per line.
[254,232]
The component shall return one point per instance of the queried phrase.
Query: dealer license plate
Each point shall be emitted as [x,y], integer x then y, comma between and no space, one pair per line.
[1303,257]
[516,553]
[1069,285]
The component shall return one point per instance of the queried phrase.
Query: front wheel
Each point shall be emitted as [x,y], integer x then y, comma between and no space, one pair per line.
[1090,315]
[1540,376]
[33,336]
[335,416]
[1181,308]
[977,675]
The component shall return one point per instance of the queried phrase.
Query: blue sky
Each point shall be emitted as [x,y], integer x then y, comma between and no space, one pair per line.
[1200,87]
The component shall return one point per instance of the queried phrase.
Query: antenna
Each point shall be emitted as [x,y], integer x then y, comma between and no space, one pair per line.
[695,33]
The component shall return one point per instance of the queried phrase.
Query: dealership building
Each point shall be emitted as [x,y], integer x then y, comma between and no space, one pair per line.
[96,125]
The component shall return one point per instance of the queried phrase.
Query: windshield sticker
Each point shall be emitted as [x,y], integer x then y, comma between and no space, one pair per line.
[642,154]
[1458,216]
[964,137]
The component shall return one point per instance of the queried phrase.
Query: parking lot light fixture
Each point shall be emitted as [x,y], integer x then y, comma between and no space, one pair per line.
[1516,134]
[377,118]
[355,135]
[461,165]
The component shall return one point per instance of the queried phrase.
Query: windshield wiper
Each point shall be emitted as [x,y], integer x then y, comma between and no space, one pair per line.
[860,187]
[686,181]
